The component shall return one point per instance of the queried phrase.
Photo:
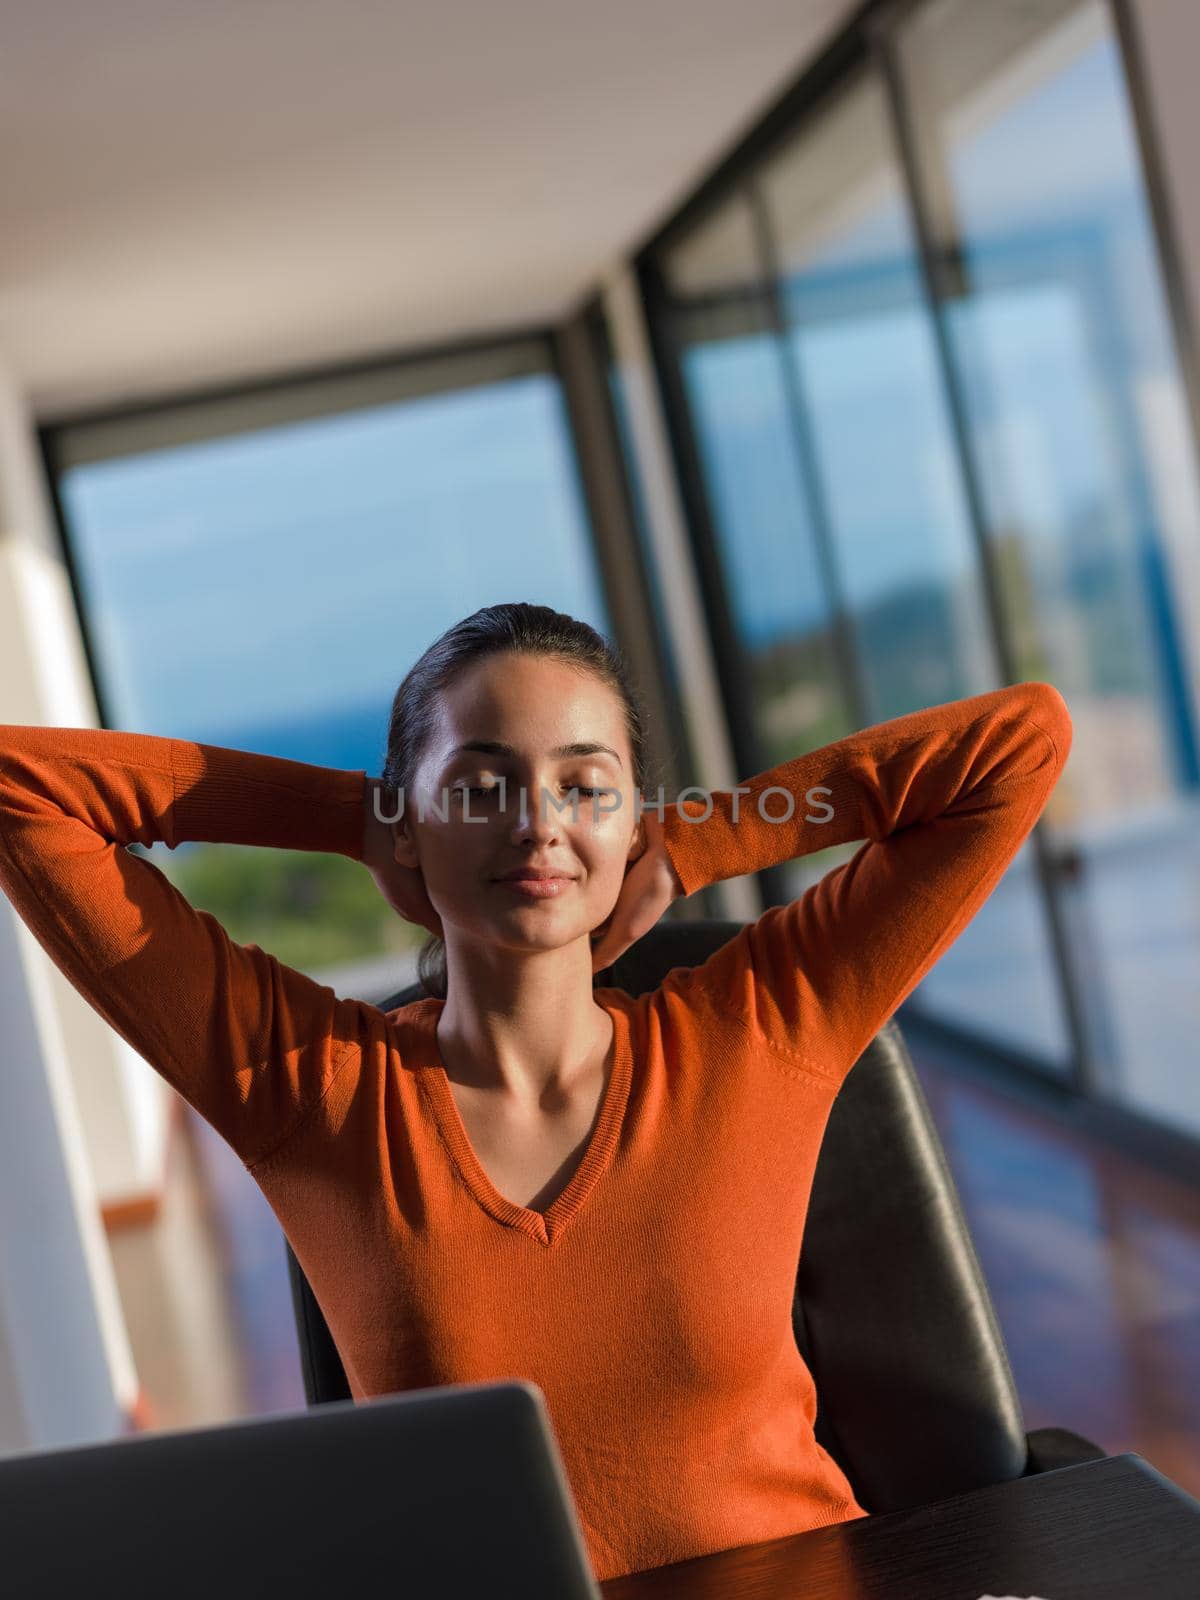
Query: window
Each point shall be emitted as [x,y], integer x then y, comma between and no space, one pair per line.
[931,382]
[261,571]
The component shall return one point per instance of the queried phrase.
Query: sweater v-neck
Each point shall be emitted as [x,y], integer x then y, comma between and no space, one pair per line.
[546,1227]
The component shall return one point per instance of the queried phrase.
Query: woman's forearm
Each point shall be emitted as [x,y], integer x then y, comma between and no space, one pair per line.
[379,810]
[236,797]
[248,1041]
[144,788]
[1007,745]
[944,798]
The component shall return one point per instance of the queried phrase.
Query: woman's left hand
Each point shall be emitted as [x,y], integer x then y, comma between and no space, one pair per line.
[402,887]
[650,885]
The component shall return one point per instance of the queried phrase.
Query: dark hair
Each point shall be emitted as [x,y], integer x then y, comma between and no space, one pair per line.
[498,630]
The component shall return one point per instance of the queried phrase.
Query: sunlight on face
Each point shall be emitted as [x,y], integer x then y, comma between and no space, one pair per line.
[577,814]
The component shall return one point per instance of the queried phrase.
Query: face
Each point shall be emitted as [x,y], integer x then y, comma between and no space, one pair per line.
[525,710]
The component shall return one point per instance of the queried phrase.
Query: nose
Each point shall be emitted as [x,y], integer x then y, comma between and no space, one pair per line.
[530,821]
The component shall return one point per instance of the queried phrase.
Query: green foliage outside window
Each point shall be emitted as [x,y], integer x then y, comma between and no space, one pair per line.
[309,909]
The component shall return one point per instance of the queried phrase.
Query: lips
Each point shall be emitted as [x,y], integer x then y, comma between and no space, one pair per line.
[536,874]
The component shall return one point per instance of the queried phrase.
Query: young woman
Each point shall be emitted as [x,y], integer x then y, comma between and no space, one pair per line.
[524,1174]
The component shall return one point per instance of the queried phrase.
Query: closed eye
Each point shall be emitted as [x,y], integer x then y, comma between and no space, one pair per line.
[494,788]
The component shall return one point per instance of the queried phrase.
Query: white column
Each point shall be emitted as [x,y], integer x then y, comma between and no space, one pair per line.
[66,1370]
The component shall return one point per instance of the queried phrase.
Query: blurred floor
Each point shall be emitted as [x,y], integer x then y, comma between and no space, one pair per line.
[173,1277]
[1093,1260]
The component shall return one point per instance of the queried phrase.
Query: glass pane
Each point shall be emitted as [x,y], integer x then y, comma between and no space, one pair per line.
[733,376]
[1060,335]
[884,466]
[267,590]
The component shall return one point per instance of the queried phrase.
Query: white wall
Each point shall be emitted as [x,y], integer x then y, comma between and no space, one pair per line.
[82,1118]
[66,1371]
[44,679]
[1168,32]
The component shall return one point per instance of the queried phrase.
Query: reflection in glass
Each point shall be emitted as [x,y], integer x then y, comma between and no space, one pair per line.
[871,399]
[833,484]
[732,374]
[1078,429]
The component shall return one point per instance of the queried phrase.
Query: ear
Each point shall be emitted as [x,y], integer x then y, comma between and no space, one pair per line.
[637,843]
[404,851]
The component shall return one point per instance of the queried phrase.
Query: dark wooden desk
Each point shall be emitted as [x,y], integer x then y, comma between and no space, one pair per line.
[1105,1530]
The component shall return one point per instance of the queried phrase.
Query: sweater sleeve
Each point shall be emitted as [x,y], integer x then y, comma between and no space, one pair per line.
[943,797]
[250,1043]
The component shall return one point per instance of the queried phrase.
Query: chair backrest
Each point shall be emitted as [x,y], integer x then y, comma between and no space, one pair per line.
[891,1312]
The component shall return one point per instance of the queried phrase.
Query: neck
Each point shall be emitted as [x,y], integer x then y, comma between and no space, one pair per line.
[527,1026]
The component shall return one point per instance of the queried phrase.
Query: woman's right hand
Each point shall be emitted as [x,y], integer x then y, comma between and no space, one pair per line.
[402,887]
[649,886]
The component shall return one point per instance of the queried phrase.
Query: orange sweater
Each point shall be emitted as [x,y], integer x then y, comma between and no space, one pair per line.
[652,1301]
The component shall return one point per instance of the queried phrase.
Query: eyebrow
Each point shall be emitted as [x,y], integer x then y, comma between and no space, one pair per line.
[493,747]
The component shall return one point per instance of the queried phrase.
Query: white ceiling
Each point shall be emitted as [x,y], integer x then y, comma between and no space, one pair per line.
[194,191]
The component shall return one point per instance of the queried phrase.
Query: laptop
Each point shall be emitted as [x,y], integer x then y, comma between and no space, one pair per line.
[442,1492]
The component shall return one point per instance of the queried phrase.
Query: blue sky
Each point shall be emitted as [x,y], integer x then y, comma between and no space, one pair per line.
[303,567]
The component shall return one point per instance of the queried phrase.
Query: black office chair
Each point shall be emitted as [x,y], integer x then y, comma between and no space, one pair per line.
[916,1399]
